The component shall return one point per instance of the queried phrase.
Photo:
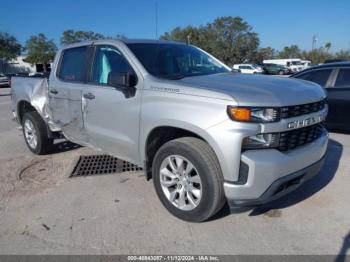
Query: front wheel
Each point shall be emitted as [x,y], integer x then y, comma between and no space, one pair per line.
[188,180]
[35,133]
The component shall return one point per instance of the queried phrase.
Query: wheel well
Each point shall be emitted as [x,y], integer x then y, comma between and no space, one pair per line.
[23,107]
[158,137]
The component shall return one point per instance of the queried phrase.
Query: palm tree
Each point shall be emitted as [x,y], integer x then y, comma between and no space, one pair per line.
[328,46]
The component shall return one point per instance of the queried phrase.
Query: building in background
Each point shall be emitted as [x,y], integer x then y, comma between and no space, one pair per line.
[20,66]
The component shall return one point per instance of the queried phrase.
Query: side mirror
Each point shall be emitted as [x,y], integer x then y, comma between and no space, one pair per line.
[122,80]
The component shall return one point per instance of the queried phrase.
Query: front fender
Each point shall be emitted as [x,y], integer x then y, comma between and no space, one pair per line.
[191,113]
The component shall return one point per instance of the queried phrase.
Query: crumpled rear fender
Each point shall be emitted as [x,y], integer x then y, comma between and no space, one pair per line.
[35,92]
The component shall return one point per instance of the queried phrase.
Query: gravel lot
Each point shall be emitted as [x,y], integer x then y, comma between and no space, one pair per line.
[42,211]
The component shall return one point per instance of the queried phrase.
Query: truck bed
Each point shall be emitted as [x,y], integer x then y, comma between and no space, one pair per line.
[32,90]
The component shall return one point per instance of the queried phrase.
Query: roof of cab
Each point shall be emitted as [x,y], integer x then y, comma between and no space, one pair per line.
[150,41]
[125,41]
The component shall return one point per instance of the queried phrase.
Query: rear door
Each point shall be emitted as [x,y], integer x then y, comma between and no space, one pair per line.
[111,115]
[339,100]
[65,92]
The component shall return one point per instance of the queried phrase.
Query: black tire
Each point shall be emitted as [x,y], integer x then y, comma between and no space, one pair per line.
[202,156]
[44,143]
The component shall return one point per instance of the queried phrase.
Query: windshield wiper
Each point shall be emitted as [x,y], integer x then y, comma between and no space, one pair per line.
[175,77]
[180,76]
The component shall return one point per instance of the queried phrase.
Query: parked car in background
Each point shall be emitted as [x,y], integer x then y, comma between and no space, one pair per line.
[4,80]
[236,70]
[305,63]
[10,75]
[294,64]
[260,67]
[273,69]
[335,77]
[248,69]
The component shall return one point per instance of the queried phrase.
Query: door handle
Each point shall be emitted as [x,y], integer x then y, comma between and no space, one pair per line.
[89,96]
[54,91]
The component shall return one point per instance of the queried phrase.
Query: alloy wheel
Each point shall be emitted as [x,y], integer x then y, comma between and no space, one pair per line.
[180,182]
[30,134]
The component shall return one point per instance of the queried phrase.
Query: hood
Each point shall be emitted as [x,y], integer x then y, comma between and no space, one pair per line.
[259,90]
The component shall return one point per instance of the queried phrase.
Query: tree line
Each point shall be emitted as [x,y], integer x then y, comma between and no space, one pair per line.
[41,50]
[230,39]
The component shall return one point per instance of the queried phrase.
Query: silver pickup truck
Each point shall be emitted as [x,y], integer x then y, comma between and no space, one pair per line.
[205,134]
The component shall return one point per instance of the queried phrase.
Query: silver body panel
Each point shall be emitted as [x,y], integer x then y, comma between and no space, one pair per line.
[35,92]
[263,170]
[258,90]
[120,126]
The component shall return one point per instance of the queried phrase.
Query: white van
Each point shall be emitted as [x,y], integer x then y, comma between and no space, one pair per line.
[248,69]
[305,63]
[292,63]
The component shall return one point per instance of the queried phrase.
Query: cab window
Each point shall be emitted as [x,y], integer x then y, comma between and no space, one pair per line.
[73,64]
[108,59]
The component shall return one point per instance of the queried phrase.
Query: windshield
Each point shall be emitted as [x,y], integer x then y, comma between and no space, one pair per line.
[175,61]
[296,63]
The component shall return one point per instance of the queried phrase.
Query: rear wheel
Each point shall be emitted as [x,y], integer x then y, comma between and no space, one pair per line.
[35,133]
[188,179]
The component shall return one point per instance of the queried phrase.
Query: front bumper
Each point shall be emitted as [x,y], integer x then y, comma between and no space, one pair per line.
[281,186]
[273,173]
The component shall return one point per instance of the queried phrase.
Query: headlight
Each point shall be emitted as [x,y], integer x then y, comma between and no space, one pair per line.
[253,114]
[270,140]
